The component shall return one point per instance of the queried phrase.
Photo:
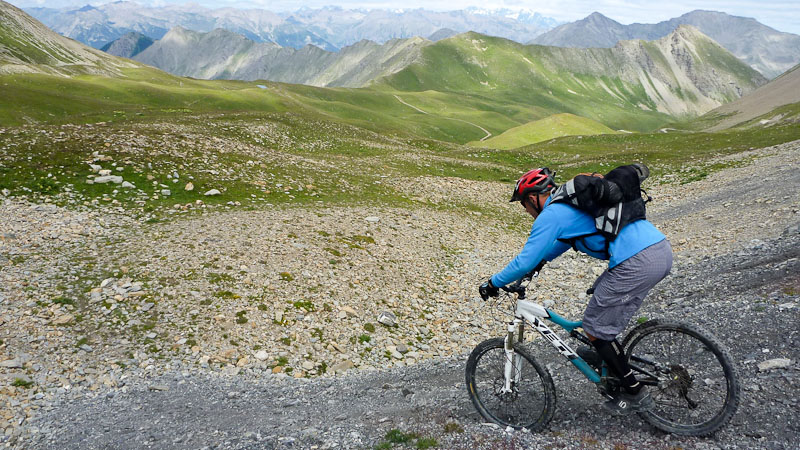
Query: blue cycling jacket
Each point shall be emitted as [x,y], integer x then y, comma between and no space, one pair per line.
[562,221]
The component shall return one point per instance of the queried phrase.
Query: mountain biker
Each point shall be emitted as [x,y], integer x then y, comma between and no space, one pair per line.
[639,258]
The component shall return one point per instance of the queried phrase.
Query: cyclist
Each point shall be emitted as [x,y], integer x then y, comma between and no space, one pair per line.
[638,258]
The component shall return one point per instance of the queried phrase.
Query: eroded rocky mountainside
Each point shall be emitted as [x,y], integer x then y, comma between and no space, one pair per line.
[128,45]
[782,91]
[29,46]
[222,54]
[767,50]
[683,73]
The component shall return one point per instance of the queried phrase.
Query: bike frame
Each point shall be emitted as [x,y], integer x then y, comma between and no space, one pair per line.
[533,313]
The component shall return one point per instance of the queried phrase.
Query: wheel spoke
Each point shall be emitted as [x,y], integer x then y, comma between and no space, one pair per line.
[529,404]
[693,390]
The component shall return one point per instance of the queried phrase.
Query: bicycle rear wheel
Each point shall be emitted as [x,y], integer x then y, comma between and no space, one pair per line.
[531,401]
[690,375]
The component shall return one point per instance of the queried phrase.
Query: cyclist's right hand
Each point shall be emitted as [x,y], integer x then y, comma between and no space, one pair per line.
[487,290]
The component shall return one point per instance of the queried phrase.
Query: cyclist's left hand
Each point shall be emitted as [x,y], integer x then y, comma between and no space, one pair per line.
[487,290]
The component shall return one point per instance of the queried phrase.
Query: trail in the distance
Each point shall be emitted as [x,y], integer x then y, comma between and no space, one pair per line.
[488,134]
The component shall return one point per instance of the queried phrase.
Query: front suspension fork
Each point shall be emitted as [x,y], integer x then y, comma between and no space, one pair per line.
[513,366]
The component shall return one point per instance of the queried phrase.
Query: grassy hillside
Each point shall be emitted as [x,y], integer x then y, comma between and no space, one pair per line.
[292,157]
[40,98]
[629,87]
[514,74]
[554,126]
[477,86]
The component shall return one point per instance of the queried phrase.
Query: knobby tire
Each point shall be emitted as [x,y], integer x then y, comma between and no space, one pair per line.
[530,406]
[698,389]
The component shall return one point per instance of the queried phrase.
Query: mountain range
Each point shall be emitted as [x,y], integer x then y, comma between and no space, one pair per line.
[329,28]
[769,51]
[682,73]
[223,54]
[462,88]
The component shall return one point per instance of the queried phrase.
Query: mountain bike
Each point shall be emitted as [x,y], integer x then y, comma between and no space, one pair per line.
[689,373]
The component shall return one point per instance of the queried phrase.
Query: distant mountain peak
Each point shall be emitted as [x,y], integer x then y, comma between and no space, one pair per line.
[128,45]
[598,18]
[442,33]
[769,51]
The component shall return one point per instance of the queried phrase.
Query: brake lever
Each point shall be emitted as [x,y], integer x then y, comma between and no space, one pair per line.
[516,288]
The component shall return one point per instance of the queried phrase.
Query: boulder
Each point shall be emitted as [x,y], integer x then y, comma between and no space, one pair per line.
[387,318]
[116,179]
[777,363]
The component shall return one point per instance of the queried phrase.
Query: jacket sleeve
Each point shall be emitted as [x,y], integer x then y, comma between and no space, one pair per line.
[542,244]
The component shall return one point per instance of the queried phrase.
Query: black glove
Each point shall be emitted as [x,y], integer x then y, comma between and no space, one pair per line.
[528,276]
[487,290]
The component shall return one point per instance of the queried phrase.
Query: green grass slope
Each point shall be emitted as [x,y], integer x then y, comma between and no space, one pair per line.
[509,73]
[554,126]
[41,98]
[149,93]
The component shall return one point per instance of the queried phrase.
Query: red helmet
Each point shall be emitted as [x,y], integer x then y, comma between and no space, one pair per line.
[536,181]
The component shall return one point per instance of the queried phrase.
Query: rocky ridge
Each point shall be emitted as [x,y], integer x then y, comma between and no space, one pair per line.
[769,51]
[128,45]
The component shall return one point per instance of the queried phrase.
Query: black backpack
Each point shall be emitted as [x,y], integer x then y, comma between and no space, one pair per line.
[614,199]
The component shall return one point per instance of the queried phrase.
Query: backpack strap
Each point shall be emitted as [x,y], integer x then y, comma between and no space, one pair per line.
[572,242]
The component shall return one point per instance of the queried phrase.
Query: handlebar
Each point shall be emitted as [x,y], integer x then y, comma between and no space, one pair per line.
[517,287]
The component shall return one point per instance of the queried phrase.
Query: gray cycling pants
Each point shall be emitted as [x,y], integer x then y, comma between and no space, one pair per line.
[618,292]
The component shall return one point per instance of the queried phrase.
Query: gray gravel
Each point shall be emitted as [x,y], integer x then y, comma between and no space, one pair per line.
[748,310]
[737,273]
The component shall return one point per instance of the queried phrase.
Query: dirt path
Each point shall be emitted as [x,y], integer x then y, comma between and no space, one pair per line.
[488,134]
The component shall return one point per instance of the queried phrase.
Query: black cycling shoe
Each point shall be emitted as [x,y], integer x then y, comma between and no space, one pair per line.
[623,403]
[589,355]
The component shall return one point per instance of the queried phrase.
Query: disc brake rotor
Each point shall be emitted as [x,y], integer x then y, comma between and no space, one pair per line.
[505,397]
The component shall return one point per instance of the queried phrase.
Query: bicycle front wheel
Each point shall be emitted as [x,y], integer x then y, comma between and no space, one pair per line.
[529,400]
[690,376]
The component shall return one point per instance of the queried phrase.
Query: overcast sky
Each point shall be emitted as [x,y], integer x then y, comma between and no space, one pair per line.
[783,15]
